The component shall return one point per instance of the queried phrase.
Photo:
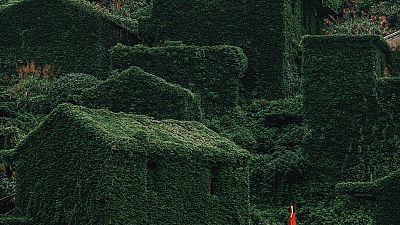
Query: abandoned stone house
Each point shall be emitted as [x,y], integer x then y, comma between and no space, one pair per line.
[68,35]
[99,167]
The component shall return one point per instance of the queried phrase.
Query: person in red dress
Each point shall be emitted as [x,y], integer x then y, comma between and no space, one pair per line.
[292,220]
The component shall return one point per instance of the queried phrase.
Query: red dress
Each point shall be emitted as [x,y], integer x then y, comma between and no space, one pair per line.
[292,220]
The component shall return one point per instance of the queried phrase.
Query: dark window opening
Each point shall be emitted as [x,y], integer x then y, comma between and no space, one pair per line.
[214,183]
[151,175]
[366,195]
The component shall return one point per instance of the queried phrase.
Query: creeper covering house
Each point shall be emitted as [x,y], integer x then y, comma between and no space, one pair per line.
[348,128]
[99,167]
[69,35]
[268,31]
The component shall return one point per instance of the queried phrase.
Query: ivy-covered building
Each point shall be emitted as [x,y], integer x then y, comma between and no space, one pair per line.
[83,166]
[138,92]
[211,72]
[269,32]
[69,35]
[351,109]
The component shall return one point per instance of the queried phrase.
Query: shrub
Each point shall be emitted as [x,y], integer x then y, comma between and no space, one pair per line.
[394,64]
[30,93]
[275,178]
[30,86]
[7,181]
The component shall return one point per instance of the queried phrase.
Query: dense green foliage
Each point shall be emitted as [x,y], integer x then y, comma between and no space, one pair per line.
[341,107]
[203,70]
[132,9]
[394,63]
[378,198]
[9,136]
[268,35]
[40,96]
[332,4]
[29,93]
[273,131]
[14,121]
[112,168]
[351,112]
[387,196]
[10,220]
[66,34]
[136,91]
[69,88]
[388,91]
[334,121]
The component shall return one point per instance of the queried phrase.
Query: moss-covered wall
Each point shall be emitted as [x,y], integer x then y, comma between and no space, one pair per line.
[138,92]
[67,34]
[268,31]
[211,72]
[86,167]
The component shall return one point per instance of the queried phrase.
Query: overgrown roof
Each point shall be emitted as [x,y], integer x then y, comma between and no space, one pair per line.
[129,128]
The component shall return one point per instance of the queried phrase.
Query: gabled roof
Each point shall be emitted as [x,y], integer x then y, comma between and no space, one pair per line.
[126,23]
[129,128]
